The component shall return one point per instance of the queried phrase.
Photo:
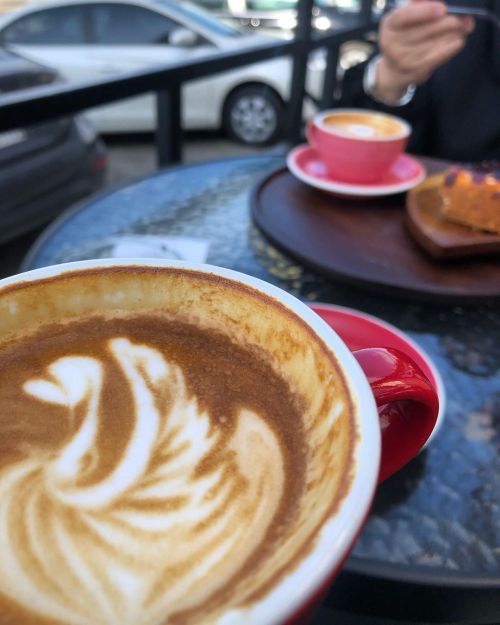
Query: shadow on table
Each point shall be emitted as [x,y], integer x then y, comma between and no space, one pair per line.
[13,252]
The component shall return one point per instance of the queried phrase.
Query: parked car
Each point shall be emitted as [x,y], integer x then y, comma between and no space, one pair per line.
[280,16]
[95,38]
[46,167]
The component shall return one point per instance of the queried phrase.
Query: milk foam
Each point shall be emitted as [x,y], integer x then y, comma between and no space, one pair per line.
[155,535]
[360,130]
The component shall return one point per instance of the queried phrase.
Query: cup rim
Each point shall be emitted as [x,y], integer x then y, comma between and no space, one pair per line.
[336,537]
[318,120]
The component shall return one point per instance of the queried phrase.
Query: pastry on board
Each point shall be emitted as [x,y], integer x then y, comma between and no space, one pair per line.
[471,196]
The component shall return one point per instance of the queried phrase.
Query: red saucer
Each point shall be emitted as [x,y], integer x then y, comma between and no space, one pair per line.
[405,173]
[359,330]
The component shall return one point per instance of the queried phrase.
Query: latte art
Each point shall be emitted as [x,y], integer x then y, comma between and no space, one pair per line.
[162,526]
[359,125]
[172,444]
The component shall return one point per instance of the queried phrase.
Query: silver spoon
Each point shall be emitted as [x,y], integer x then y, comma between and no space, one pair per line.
[474,12]
[480,13]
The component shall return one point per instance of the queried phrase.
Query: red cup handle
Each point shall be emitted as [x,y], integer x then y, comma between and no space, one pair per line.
[407,401]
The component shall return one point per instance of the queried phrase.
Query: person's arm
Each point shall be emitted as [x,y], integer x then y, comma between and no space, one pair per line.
[415,111]
[358,88]
[414,40]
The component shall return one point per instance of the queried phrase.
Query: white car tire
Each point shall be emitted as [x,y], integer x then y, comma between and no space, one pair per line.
[253,115]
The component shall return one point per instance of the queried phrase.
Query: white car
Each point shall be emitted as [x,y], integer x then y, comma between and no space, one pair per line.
[84,39]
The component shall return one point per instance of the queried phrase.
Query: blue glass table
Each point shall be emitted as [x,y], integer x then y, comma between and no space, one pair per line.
[431,548]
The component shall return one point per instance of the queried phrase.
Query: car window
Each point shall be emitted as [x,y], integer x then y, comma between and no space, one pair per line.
[271,5]
[57,26]
[213,5]
[278,5]
[195,13]
[124,24]
[352,5]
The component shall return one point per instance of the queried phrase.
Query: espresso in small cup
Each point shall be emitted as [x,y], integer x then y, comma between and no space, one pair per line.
[364,125]
[358,146]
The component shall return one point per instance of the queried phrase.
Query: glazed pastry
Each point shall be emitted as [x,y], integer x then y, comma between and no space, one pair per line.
[471,196]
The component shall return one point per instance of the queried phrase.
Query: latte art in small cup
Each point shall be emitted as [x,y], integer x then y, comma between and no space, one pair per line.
[363,125]
[357,146]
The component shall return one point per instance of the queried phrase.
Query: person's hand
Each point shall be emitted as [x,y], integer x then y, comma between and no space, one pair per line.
[415,39]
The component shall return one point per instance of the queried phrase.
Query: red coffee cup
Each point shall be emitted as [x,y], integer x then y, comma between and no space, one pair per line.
[362,416]
[357,146]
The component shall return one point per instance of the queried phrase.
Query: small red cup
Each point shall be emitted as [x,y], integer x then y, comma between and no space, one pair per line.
[357,146]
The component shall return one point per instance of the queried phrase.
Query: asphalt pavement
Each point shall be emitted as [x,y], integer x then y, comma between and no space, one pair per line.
[134,156]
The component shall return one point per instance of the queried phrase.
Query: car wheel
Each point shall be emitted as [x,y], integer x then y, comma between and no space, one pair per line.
[253,115]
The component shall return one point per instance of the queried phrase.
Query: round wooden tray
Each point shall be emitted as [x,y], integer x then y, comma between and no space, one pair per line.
[364,241]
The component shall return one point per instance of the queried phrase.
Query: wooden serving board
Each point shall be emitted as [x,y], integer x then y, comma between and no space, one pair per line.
[364,242]
[438,236]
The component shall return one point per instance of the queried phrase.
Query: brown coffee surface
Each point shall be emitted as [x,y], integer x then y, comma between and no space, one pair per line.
[362,125]
[153,469]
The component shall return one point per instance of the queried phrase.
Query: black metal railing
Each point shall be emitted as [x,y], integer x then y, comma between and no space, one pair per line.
[26,107]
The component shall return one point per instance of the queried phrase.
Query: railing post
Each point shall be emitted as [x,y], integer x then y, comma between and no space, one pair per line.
[366,12]
[330,80]
[299,72]
[330,77]
[168,126]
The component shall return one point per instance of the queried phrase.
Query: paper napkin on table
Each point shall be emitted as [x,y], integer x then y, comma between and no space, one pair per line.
[158,246]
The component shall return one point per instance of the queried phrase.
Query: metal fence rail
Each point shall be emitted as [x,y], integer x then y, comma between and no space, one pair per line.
[23,108]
